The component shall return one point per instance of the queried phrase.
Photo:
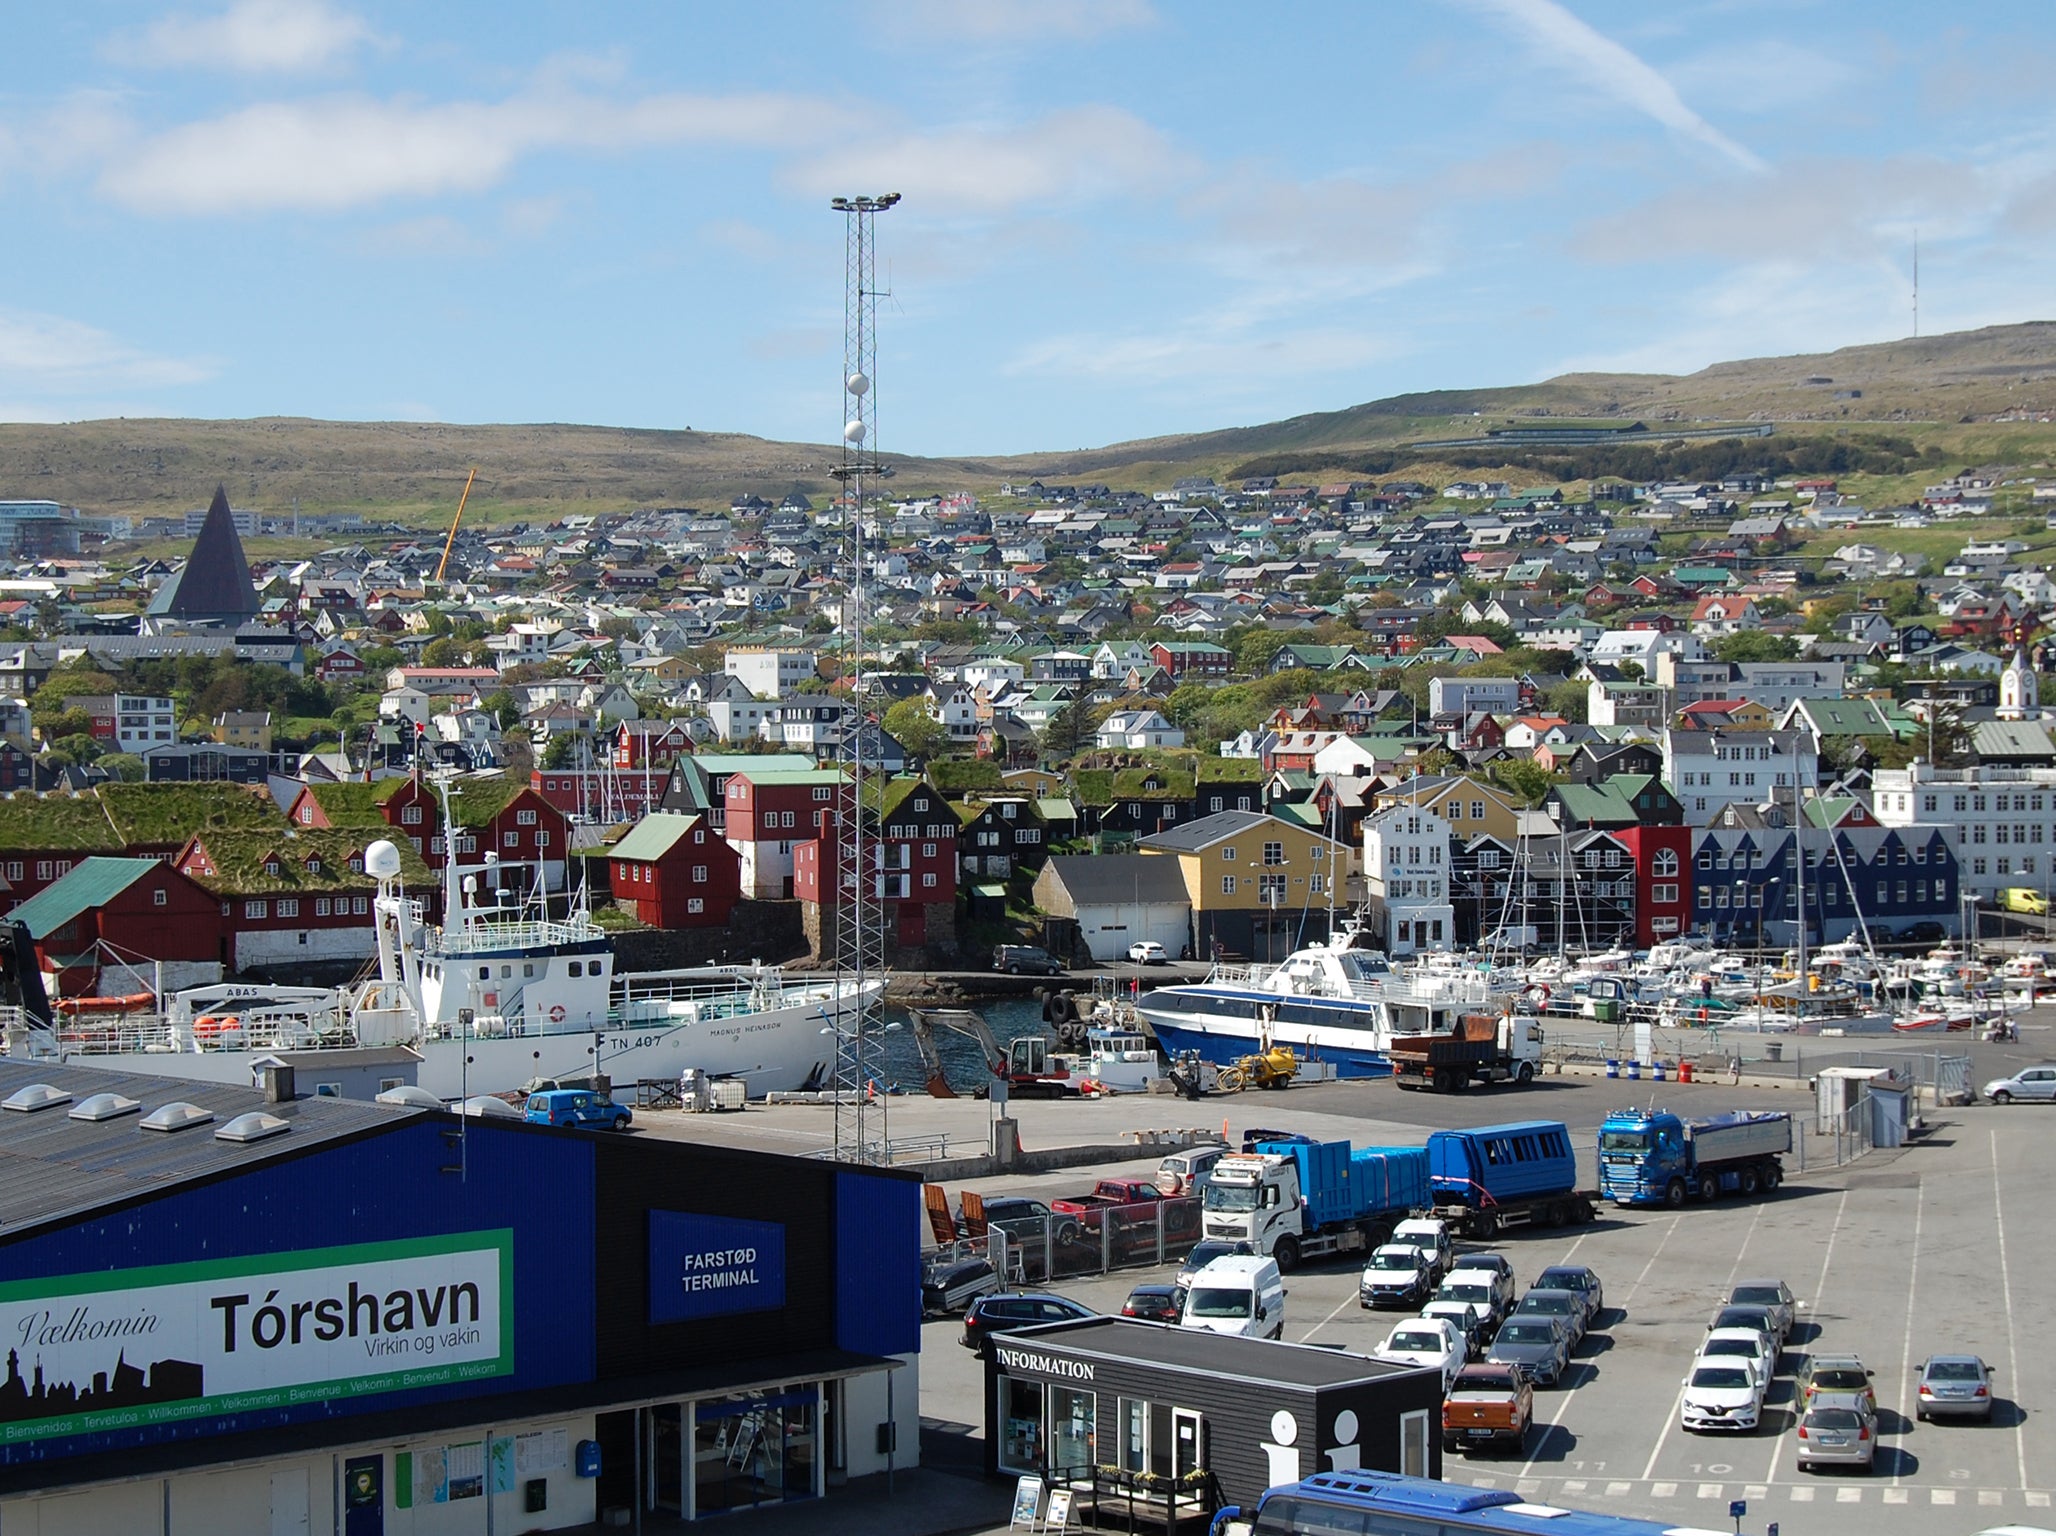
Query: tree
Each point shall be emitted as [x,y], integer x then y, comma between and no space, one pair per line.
[1570,699]
[125,766]
[908,722]
[442,652]
[1755,645]
[566,750]
[1255,649]
[80,748]
[1522,777]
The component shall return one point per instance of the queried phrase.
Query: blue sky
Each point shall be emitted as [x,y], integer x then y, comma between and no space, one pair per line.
[1122,217]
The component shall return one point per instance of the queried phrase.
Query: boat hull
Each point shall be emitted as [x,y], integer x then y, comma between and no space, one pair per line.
[1226,1024]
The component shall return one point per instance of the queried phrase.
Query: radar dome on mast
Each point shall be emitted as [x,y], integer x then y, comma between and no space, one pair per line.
[382,860]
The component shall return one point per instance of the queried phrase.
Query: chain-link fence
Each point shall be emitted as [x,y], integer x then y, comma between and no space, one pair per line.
[1066,1245]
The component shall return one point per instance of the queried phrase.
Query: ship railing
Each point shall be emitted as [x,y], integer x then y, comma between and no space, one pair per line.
[493,936]
[154,1034]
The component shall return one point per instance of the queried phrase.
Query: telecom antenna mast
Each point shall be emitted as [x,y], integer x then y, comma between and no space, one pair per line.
[858,890]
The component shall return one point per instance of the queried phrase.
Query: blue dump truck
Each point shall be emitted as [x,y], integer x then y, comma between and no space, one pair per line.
[1653,1157]
[1521,1174]
[1295,1199]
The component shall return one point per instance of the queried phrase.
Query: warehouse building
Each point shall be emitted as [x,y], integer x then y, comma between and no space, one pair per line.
[230,1309]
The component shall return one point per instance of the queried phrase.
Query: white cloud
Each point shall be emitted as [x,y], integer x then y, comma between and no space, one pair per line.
[1085,154]
[1017,21]
[1606,67]
[337,152]
[1200,352]
[252,37]
[1768,74]
[68,357]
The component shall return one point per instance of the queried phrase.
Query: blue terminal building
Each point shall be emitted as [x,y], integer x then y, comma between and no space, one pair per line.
[233,1309]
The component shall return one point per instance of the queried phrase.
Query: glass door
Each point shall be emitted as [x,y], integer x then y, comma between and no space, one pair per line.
[666,1493]
[1188,1442]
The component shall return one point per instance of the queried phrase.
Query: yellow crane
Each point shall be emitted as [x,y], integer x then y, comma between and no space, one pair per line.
[443,564]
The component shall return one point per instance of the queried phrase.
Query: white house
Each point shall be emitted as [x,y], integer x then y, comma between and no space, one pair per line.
[1468,695]
[1134,729]
[2000,821]
[770,673]
[992,674]
[740,720]
[1711,770]
[1115,659]
[1643,646]
[1406,870]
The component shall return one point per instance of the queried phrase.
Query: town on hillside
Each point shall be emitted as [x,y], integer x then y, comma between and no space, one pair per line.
[1227,716]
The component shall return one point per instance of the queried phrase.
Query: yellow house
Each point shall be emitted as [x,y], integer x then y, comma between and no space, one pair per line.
[1036,783]
[663,669]
[1726,714]
[1472,807]
[1259,886]
[244,728]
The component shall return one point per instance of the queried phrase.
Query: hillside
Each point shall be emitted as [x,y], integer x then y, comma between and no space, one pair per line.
[1946,389]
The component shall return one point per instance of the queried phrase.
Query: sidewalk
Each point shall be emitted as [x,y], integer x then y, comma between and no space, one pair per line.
[924,1502]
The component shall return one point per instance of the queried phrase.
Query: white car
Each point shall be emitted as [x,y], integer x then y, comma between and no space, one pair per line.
[1726,1344]
[1429,1341]
[1460,1316]
[1723,1393]
[1148,952]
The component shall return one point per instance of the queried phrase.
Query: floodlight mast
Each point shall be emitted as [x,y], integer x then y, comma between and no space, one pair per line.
[855,891]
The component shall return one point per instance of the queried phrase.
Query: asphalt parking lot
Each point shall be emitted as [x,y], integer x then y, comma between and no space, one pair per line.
[1941,1247]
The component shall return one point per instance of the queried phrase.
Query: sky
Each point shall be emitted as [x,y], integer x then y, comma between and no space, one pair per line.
[1121,218]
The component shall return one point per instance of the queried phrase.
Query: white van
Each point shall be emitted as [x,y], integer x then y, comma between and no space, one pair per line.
[1186,1173]
[1239,1294]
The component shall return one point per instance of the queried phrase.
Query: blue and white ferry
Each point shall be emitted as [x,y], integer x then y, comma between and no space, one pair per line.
[1331,1004]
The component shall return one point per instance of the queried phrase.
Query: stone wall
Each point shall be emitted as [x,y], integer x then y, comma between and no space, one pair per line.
[757,930]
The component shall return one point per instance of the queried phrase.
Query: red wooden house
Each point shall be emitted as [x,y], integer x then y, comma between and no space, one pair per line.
[913,867]
[770,814]
[131,911]
[654,744]
[292,895]
[674,871]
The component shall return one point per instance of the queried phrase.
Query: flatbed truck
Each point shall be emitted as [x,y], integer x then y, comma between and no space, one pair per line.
[1653,1157]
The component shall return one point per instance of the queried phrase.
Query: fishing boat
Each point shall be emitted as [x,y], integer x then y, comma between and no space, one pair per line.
[498,994]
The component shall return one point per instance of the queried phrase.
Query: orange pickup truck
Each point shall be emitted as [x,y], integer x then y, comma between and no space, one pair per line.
[1487,1405]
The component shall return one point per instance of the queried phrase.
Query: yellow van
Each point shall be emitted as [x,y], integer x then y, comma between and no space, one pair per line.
[2018,898]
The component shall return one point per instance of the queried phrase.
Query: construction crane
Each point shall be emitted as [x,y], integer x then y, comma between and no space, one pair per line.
[449,543]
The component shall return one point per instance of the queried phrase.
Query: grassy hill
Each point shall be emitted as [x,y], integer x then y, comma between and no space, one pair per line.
[1938,393]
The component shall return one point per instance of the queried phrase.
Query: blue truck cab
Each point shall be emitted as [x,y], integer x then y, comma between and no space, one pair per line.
[1654,1157]
[579,1107]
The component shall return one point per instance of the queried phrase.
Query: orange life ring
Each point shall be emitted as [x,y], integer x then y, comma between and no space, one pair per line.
[557,1014]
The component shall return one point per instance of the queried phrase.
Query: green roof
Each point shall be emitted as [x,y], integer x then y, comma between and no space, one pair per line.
[752,763]
[171,813]
[1598,804]
[475,802]
[354,804]
[1230,770]
[92,883]
[1846,717]
[955,775]
[239,855]
[58,822]
[1056,810]
[1103,786]
[792,776]
[654,836]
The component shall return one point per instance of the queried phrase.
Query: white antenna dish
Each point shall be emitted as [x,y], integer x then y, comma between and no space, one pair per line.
[853,432]
[858,385]
[382,860]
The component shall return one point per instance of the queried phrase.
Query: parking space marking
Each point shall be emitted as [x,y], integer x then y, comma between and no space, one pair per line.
[1340,1307]
[1563,1401]
[2006,1300]
[1897,1496]
[1848,1495]
[1678,1403]
[1906,1343]
[2037,1501]
[1990,1496]
[1663,1490]
[1709,1490]
[1941,1496]
[1802,1495]
[1615,1490]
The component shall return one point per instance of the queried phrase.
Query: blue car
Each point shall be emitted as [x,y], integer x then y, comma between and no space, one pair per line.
[577,1107]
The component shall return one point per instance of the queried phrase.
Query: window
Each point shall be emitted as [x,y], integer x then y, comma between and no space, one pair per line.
[42,869]
[822,792]
[699,874]
[321,906]
[510,839]
[1227,854]
[928,850]
[542,839]
[1665,865]
[524,818]
[1274,853]
[410,815]
[785,818]
[928,879]
[1662,893]
[289,906]
[695,904]
[1227,885]
[255,909]
[360,905]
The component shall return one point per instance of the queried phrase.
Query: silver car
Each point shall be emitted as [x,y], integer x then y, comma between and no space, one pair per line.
[1954,1387]
[2029,1083]
[1775,1296]
[1835,1436]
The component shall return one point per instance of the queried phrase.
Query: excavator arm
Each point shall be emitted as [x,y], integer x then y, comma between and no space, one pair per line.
[963,1021]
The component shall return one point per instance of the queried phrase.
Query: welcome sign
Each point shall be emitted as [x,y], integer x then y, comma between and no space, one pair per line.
[713,1266]
[179,1341]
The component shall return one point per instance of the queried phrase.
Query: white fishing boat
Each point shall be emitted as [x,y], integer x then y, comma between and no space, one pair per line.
[496,995]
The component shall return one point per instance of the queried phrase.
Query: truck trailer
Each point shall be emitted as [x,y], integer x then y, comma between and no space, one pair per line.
[1482,1048]
[1653,1157]
[1520,1174]
[1302,1199]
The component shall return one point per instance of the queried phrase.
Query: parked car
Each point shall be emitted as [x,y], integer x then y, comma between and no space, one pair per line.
[1460,1317]
[1575,1277]
[1148,952]
[1537,1347]
[1929,932]
[1774,1294]
[1489,1296]
[580,1107]
[1832,1373]
[2029,1084]
[1242,1294]
[1487,1405]
[1835,1436]
[1486,1259]
[1205,1253]
[1740,1344]
[1954,1386]
[1568,1307]
[1426,1341]
[951,1283]
[1158,1303]
[1186,1173]
[1722,1394]
[1005,1311]
[1431,1236]
[1762,1319]
[1395,1275]
[1025,959]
